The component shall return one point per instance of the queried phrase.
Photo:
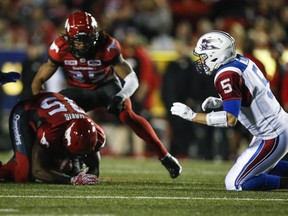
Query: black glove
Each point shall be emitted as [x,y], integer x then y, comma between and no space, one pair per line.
[116,106]
[9,77]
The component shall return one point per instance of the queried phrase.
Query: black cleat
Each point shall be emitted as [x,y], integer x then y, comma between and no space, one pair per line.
[172,165]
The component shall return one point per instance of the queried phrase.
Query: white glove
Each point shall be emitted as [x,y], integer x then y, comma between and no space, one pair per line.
[212,103]
[183,111]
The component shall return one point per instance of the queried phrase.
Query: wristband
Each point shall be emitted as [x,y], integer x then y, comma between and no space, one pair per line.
[217,119]
[130,86]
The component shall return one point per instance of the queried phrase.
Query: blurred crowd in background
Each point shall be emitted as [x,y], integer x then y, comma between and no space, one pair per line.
[157,39]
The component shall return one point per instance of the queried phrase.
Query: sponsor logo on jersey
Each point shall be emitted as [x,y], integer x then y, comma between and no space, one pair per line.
[83,68]
[15,128]
[54,47]
[94,62]
[82,60]
[111,46]
[70,62]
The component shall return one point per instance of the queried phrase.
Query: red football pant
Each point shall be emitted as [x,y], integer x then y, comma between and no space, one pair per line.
[17,169]
[142,128]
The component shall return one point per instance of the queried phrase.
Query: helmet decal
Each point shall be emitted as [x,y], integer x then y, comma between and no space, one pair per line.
[68,135]
[93,22]
[67,26]
[206,44]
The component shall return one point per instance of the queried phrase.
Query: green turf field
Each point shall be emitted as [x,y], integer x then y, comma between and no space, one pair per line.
[130,186]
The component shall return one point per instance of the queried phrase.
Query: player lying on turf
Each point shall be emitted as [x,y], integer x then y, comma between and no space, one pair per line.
[47,132]
[9,77]
[245,96]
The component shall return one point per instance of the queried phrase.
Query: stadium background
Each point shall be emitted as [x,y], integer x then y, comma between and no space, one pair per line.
[27,25]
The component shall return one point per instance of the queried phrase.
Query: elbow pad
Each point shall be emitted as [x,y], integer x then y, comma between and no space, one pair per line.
[217,119]
[130,86]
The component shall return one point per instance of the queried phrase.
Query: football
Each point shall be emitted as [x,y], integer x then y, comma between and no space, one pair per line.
[65,165]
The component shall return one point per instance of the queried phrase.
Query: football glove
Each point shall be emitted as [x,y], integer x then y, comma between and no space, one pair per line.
[211,103]
[9,77]
[183,111]
[84,179]
[116,106]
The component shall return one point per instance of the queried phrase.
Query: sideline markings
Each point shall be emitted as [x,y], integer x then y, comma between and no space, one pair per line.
[147,197]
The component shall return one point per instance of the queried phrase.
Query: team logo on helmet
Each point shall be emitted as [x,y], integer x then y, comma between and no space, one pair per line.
[68,135]
[111,46]
[206,44]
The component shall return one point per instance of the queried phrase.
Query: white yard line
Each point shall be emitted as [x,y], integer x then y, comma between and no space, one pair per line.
[8,210]
[148,197]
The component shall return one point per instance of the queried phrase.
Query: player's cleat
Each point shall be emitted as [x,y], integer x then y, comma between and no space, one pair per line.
[172,165]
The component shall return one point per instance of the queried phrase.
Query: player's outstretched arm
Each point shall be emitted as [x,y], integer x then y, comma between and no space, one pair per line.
[9,77]
[45,71]
[216,119]
[43,170]
[123,70]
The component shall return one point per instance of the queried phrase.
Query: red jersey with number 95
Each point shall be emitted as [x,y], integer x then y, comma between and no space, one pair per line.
[86,72]
[49,114]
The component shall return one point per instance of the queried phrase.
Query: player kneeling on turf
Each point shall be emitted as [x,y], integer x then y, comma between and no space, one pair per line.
[45,142]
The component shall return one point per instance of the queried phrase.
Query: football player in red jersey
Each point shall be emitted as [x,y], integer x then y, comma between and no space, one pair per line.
[93,64]
[47,130]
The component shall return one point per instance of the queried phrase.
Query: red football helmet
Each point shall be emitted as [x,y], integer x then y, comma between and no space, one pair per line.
[82,34]
[80,137]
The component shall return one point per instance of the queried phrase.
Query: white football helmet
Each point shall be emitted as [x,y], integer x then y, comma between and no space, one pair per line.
[214,49]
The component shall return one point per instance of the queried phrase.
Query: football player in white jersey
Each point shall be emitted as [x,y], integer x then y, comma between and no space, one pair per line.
[246,97]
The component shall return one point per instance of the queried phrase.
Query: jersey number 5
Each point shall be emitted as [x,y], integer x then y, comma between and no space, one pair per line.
[226,85]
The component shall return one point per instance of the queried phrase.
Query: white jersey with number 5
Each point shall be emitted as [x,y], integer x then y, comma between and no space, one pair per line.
[260,112]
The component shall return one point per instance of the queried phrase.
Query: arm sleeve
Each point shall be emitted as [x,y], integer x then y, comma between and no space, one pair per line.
[232,106]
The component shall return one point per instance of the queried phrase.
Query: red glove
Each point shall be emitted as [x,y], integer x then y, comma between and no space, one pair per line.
[84,179]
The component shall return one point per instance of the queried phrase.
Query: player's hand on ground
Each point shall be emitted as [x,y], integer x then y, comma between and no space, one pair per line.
[116,106]
[84,179]
[211,103]
[183,111]
[9,77]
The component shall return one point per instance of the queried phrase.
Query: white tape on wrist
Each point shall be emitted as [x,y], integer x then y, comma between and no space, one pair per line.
[217,119]
[130,86]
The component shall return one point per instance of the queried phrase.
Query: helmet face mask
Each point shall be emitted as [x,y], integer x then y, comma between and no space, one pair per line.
[200,63]
[213,50]
[82,34]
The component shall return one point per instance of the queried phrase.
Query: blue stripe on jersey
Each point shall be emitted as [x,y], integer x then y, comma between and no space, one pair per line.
[232,106]
[240,62]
